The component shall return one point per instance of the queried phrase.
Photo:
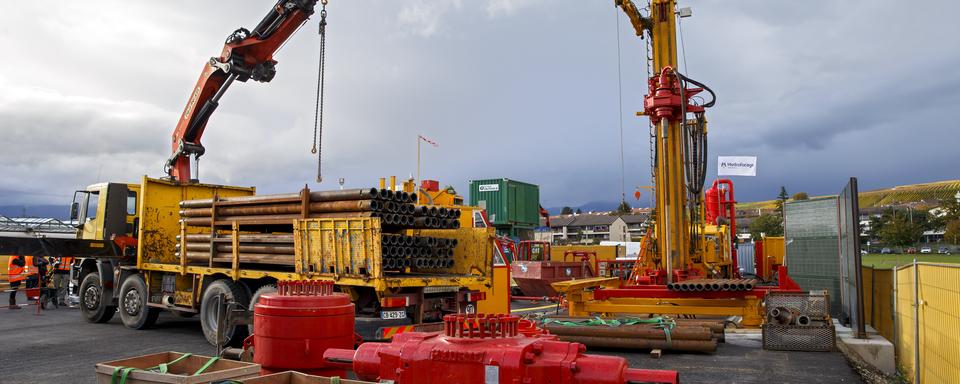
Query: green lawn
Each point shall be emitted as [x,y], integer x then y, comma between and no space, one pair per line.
[892,260]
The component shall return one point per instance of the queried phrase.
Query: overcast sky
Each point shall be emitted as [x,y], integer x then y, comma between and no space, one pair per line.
[524,89]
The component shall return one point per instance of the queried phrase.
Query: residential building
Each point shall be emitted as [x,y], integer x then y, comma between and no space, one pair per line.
[594,228]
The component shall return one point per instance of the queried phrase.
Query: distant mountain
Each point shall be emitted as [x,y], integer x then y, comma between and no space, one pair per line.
[61,212]
[595,206]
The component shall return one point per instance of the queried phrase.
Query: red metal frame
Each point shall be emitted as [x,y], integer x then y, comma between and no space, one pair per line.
[525,250]
[727,209]
[584,257]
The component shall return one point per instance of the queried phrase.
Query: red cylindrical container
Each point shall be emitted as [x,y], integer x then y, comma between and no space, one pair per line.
[712,203]
[291,331]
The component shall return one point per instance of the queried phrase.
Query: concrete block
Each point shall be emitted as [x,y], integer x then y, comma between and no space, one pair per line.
[874,351]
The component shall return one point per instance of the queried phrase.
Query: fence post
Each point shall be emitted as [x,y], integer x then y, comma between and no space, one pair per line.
[916,322]
[896,315]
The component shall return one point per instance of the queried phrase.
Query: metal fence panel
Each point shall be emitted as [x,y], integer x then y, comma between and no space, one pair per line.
[848,218]
[937,323]
[745,258]
[878,300]
[812,246]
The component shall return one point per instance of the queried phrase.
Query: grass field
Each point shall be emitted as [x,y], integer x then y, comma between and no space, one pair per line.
[893,260]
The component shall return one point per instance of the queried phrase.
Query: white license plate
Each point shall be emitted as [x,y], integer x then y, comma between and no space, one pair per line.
[387,315]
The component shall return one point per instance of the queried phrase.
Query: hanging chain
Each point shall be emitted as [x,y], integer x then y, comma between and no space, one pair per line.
[318,108]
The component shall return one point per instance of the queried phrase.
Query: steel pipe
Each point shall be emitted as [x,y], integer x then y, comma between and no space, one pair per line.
[257,238]
[633,331]
[256,258]
[629,343]
[244,248]
[274,209]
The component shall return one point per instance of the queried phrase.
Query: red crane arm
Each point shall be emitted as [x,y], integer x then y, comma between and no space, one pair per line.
[246,55]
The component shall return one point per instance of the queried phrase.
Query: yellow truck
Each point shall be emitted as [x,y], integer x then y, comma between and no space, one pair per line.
[138,270]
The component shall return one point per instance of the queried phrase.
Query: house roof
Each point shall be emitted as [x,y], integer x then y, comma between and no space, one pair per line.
[636,218]
[581,220]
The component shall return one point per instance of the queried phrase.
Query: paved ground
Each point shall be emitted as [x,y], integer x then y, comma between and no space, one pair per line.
[742,360]
[59,347]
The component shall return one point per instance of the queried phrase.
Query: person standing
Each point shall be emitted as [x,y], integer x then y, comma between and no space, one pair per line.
[16,268]
[61,275]
[31,271]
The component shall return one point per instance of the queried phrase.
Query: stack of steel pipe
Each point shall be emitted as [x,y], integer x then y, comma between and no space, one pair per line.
[432,217]
[694,338]
[713,285]
[716,326]
[265,248]
[394,208]
[416,252]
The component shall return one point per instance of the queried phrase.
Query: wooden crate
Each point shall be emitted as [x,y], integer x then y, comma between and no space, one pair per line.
[291,377]
[179,373]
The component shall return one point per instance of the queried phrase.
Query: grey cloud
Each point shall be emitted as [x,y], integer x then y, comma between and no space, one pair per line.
[522,89]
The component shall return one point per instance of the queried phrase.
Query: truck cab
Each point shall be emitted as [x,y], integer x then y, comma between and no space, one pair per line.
[103,210]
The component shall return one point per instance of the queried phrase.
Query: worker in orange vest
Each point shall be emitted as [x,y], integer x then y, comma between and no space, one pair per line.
[61,275]
[32,272]
[16,268]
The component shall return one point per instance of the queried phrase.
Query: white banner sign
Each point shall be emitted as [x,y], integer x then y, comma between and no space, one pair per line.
[736,165]
[488,187]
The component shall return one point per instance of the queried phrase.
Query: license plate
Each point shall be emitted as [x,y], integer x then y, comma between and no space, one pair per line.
[388,315]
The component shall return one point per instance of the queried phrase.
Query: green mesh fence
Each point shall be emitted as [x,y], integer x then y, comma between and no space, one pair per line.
[812,240]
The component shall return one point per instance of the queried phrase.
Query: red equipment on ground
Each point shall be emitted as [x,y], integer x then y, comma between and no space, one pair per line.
[293,327]
[533,271]
[487,349]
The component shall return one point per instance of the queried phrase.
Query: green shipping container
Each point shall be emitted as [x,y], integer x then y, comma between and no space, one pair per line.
[508,202]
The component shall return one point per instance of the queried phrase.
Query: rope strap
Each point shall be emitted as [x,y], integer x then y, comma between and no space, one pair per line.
[120,374]
[206,365]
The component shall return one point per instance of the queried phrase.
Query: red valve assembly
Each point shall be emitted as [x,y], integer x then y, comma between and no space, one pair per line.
[487,349]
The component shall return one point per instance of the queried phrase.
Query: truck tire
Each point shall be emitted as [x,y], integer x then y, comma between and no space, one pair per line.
[235,293]
[91,300]
[133,304]
[263,290]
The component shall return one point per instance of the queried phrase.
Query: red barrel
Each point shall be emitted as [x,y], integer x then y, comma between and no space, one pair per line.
[292,328]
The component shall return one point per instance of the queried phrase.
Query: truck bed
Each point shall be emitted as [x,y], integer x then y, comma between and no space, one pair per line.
[344,250]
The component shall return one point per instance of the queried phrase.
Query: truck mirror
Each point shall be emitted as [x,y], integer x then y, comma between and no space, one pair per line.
[74,211]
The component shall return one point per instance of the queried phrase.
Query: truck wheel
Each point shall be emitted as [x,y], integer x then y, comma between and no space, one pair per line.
[234,293]
[265,289]
[133,304]
[91,300]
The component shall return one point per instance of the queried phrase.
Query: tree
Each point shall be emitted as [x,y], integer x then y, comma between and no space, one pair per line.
[952,234]
[623,208]
[766,224]
[800,196]
[898,230]
[781,200]
[579,211]
[566,211]
[877,223]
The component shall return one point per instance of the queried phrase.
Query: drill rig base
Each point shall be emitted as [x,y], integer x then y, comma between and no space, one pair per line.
[601,296]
